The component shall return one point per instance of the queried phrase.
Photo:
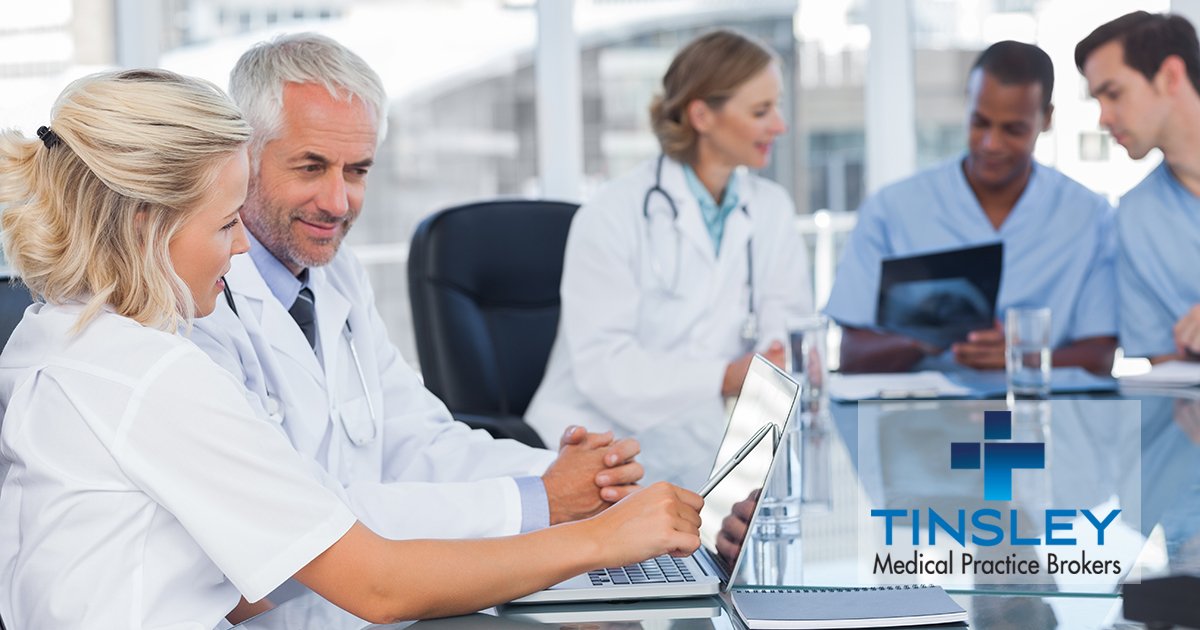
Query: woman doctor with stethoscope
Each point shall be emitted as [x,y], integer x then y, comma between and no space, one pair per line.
[677,272]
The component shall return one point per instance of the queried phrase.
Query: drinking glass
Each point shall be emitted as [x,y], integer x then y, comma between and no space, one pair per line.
[1027,357]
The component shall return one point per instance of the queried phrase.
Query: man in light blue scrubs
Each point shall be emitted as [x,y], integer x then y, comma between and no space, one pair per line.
[1057,235]
[1144,69]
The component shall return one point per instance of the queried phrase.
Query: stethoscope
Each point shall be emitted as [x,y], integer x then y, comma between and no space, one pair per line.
[749,330]
[362,375]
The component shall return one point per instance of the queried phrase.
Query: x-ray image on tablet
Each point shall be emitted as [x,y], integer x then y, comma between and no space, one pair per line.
[940,297]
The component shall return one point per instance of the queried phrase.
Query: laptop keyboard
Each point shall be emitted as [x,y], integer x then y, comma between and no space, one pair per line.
[658,570]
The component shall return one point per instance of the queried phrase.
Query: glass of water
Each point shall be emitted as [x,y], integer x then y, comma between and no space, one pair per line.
[807,359]
[1027,342]
[778,522]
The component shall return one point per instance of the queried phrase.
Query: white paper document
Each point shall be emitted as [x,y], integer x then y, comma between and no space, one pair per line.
[928,384]
[1168,374]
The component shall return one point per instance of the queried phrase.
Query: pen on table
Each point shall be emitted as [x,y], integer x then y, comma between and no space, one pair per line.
[736,459]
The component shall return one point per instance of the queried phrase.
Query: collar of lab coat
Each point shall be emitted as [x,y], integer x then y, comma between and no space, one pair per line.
[280,329]
[691,222]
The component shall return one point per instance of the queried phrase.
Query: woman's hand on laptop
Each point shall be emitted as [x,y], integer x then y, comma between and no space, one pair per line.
[659,519]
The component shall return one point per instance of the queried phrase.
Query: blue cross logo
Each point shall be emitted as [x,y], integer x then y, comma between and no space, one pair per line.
[999,458]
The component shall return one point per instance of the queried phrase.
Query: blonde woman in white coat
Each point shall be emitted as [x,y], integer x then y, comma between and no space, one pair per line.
[143,488]
[676,272]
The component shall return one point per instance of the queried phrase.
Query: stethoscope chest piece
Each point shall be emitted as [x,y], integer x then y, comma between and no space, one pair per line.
[749,332]
[273,410]
[359,428]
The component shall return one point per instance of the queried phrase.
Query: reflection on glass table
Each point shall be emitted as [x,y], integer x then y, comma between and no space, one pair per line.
[311,612]
[897,458]
[987,612]
[841,462]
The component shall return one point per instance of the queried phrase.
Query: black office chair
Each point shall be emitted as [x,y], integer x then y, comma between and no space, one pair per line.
[483,281]
[14,299]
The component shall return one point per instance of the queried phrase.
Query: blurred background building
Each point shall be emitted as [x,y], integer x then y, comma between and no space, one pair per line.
[464,115]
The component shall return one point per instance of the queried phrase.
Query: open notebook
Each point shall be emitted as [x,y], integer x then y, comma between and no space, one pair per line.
[964,383]
[1167,374]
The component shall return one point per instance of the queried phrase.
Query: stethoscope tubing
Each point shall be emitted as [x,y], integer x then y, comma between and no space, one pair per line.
[751,314]
[362,375]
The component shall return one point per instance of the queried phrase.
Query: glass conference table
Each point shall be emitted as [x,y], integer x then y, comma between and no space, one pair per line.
[1134,452]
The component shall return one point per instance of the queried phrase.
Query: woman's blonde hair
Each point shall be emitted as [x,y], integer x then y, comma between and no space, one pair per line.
[710,68]
[93,206]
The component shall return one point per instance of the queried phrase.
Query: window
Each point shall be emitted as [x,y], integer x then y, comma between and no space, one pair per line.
[1093,146]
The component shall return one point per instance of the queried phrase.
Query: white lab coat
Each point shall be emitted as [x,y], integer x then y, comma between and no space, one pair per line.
[631,354]
[413,472]
[145,491]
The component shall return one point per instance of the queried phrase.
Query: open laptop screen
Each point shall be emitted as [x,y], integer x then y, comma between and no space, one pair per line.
[767,396]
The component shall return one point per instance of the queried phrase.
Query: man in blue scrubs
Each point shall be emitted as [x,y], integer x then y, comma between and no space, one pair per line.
[1057,235]
[1144,69]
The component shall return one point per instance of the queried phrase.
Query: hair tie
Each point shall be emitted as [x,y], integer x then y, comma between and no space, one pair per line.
[49,138]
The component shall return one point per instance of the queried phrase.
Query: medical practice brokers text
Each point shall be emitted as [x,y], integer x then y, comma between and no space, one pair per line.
[986,531]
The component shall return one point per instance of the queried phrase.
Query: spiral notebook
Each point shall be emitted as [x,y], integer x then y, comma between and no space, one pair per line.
[877,607]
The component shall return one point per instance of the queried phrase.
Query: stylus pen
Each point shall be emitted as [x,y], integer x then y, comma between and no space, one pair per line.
[737,458]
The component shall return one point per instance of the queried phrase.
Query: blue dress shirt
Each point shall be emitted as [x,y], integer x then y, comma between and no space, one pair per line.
[714,215]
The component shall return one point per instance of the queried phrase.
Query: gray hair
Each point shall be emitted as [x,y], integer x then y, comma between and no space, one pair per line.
[257,80]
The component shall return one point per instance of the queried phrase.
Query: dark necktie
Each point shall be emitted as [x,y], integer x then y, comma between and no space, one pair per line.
[304,312]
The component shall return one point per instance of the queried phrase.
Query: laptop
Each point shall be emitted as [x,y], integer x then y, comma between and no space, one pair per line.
[768,396]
